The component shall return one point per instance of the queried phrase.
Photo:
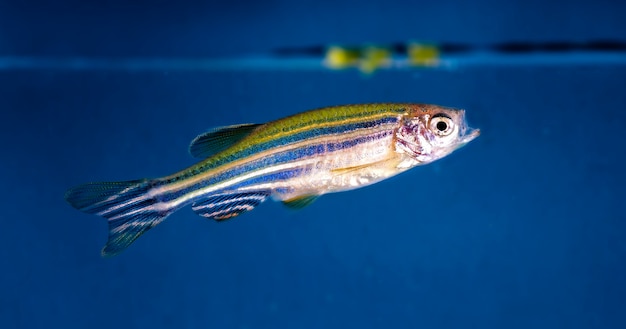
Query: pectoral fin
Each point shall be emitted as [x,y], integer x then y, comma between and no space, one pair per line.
[219,139]
[300,202]
[345,170]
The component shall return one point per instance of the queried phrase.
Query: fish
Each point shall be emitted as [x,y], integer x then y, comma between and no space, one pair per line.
[293,160]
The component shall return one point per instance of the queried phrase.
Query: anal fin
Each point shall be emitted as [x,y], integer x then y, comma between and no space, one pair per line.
[228,205]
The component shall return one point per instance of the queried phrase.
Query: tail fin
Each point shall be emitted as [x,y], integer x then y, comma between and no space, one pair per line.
[129,208]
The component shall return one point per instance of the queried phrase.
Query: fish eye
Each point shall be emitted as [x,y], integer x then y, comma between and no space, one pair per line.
[441,124]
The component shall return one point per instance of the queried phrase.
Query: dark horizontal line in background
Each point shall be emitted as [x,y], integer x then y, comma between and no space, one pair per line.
[457,48]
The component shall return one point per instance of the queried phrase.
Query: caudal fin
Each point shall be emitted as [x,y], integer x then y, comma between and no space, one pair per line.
[129,208]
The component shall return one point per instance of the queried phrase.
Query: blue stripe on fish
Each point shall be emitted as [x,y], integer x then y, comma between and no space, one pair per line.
[275,159]
[290,139]
[315,133]
[221,206]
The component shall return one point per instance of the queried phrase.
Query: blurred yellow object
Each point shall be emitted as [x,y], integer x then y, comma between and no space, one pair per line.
[340,58]
[368,59]
[373,58]
[419,54]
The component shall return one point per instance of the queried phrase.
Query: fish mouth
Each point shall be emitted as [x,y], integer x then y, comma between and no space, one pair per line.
[469,135]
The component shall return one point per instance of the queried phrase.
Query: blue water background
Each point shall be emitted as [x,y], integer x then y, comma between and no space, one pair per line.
[522,228]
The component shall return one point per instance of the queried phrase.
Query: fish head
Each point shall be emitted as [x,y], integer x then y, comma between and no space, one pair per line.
[430,132]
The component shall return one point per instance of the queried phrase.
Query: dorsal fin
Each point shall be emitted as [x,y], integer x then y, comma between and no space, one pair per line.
[228,205]
[219,139]
[301,201]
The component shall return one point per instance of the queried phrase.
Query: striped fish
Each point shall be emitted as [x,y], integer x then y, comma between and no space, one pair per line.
[293,160]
